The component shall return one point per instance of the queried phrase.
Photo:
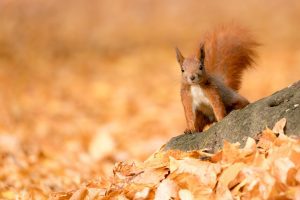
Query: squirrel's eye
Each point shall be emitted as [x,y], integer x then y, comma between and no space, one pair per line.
[182,70]
[201,67]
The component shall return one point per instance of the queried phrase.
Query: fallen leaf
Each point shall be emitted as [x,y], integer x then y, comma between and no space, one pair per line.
[280,168]
[250,146]
[150,176]
[102,144]
[166,190]
[266,140]
[293,193]
[206,171]
[230,173]
[291,177]
[8,194]
[143,194]
[192,183]
[279,126]
[223,193]
[230,152]
[259,183]
[79,194]
[185,194]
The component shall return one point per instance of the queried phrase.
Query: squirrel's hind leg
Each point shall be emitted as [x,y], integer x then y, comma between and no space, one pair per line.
[240,103]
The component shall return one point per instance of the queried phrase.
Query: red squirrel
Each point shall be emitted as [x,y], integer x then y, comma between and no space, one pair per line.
[212,78]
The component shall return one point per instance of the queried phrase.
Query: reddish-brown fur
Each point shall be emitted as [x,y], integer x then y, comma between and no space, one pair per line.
[229,50]
[210,80]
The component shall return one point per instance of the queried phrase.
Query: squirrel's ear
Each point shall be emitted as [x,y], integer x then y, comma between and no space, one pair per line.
[179,56]
[202,54]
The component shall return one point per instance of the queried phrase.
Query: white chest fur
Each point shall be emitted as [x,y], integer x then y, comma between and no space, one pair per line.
[201,102]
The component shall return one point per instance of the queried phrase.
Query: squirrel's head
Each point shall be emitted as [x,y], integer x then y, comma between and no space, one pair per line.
[193,69]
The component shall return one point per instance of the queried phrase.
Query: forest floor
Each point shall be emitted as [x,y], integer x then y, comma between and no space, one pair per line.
[263,169]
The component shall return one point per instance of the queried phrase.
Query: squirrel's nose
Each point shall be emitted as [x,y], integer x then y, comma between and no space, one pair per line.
[192,77]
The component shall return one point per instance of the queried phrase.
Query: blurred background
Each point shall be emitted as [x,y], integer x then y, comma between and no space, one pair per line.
[85,84]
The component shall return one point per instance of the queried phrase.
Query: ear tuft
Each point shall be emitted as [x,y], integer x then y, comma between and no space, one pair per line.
[202,54]
[179,56]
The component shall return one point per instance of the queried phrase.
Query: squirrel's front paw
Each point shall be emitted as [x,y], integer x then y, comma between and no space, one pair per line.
[189,131]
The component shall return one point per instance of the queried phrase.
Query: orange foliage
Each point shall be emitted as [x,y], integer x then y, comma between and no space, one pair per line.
[253,172]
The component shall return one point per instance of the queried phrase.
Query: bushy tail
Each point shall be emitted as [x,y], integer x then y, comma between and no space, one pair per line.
[229,51]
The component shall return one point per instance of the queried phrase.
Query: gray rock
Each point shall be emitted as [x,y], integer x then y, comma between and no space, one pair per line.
[247,122]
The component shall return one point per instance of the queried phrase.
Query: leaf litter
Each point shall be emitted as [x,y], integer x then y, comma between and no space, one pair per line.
[268,169]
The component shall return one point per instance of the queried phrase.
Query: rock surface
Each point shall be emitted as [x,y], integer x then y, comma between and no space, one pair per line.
[248,122]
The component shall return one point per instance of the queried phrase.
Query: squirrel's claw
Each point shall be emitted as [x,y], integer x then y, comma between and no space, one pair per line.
[189,131]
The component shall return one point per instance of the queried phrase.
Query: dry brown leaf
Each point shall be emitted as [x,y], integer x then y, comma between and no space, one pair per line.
[115,195]
[280,168]
[185,194]
[223,193]
[157,160]
[131,190]
[125,169]
[260,161]
[143,194]
[279,126]
[167,189]
[216,157]
[193,184]
[266,140]
[291,177]
[283,139]
[102,144]
[247,154]
[259,183]
[295,156]
[79,194]
[241,183]
[206,171]
[161,158]
[293,193]
[60,196]
[7,194]
[230,152]
[250,146]
[298,176]
[277,152]
[95,193]
[230,173]
[150,176]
